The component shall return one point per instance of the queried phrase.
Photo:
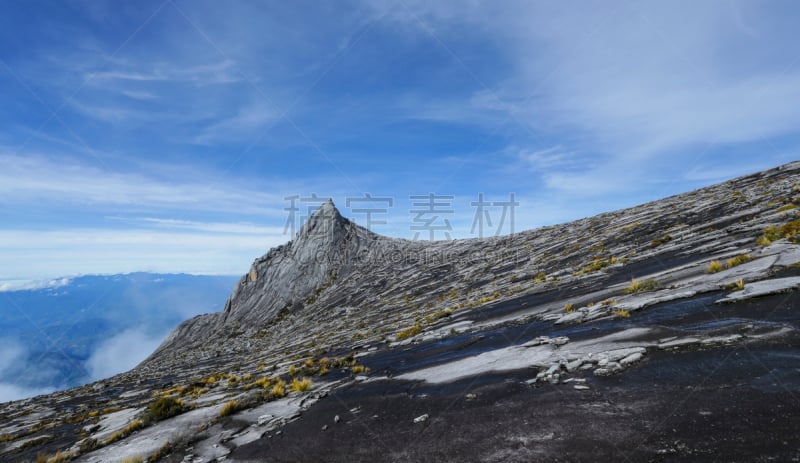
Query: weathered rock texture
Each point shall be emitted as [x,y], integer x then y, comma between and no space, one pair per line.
[598,307]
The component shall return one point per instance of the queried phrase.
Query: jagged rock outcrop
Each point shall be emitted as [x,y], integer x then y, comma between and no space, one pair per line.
[328,248]
[671,326]
[325,248]
[333,265]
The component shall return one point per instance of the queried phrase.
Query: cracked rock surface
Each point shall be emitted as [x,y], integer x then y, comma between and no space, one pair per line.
[667,330]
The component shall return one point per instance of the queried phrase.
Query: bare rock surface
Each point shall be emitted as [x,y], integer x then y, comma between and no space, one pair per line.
[762,288]
[668,330]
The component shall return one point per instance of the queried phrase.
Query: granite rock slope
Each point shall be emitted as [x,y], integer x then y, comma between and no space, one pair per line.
[417,338]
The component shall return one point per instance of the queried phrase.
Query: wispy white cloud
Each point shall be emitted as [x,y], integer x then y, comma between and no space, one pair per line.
[632,81]
[111,113]
[221,72]
[9,392]
[140,95]
[35,254]
[108,237]
[244,123]
[214,227]
[549,158]
[32,285]
[710,172]
[33,177]
[122,352]
[12,354]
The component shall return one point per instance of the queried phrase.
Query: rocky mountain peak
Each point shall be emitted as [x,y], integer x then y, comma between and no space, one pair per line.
[326,224]
[286,279]
[588,312]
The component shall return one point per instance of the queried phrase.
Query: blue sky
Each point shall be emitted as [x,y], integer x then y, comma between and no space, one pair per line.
[165,135]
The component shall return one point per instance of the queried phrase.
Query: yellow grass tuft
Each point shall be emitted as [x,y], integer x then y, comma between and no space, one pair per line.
[622,313]
[298,385]
[715,266]
[229,408]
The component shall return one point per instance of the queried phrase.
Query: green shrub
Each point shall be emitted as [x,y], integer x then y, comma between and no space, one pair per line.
[772,233]
[791,231]
[163,408]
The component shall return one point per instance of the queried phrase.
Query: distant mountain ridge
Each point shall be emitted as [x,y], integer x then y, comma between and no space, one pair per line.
[58,324]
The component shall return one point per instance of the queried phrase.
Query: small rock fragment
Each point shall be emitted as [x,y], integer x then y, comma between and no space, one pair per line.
[574,365]
[561,340]
[336,419]
[421,418]
[633,358]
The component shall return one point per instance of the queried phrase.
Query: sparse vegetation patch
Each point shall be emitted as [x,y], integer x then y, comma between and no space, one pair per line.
[790,231]
[163,408]
[737,285]
[662,240]
[229,408]
[738,260]
[299,385]
[638,286]
[715,266]
[410,332]
[134,426]
[279,389]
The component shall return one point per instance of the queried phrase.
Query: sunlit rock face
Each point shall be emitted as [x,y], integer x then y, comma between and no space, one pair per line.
[677,315]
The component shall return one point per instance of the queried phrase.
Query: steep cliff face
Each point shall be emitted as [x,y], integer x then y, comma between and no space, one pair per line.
[333,266]
[327,248]
[606,321]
